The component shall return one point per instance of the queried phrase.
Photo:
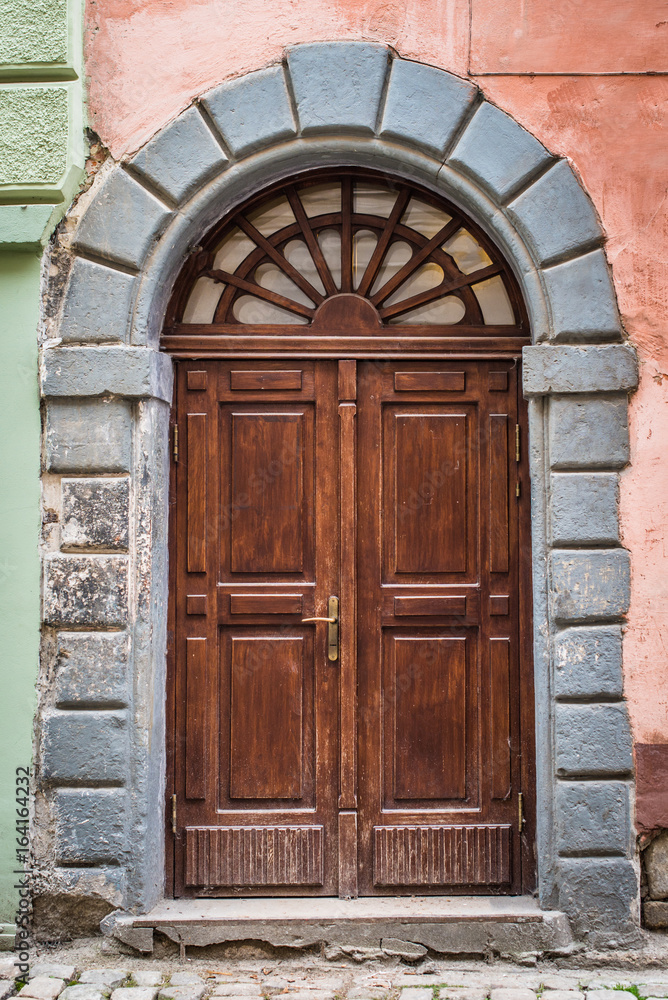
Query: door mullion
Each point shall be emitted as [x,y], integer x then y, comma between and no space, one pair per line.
[348,635]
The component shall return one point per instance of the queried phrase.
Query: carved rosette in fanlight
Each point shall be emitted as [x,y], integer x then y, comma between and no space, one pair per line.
[350,257]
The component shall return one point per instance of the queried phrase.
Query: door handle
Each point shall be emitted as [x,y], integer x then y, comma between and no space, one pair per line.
[333,629]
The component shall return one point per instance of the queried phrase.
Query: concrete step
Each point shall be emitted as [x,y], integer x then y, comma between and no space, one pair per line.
[509,926]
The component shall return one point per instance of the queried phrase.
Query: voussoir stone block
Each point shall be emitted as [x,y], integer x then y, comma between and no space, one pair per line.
[85,590]
[588,662]
[88,436]
[122,220]
[92,668]
[497,152]
[582,299]
[97,303]
[549,369]
[132,372]
[253,111]
[593,817]
[85,747]
[588,432]
[592,740]
[597,895]
[182,156]
[589,584]
[584,508]
[556,215]
[95,513]
[424,105]
[337,85]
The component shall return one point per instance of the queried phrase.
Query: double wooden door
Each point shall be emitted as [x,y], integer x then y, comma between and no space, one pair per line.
[388,751]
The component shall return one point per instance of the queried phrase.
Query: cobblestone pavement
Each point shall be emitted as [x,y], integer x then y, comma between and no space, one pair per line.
[71,974]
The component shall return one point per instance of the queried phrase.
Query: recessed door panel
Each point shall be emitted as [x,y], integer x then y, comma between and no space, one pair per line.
[268,514]
[266,717]
[429,701]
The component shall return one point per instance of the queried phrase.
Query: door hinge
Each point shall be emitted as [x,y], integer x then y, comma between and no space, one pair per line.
[520,811]
[517,442]
[518,489]
[174,815]
[175,444]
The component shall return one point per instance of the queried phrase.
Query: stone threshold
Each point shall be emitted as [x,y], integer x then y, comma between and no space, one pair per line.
[508,927]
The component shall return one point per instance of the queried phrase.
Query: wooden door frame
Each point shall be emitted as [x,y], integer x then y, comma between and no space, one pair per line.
[527,697]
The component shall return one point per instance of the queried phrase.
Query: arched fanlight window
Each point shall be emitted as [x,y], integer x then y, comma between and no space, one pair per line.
[414,259]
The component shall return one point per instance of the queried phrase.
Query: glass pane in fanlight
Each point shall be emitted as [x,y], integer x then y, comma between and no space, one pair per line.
[271,215]
[297,253]
[445,312]
[466,252]
[373,199]
[424,218]
[271,277]
[494,302]
[203,300]
[248,309]
[232,251]
[330,244]
[364,244]
[397,255]
[426,277]
[321,199]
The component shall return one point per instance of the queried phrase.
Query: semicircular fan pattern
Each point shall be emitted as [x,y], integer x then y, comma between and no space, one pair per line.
[416,259]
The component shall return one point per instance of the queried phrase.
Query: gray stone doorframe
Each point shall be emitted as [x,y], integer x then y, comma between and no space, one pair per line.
[100,755]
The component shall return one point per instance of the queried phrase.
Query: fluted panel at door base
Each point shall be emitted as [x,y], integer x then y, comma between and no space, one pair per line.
[254,855]
[442,855]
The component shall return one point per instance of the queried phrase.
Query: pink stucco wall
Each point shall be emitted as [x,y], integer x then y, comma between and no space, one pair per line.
[579,74]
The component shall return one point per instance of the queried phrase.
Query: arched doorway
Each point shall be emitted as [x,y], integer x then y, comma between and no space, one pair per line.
[348,438]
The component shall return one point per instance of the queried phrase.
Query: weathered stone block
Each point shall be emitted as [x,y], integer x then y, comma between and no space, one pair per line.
[85,590]
[592,817]
[135,993]
[133,372]
[556,215]
[97,303]
[90,827]
[43,988]
[337,85]
[582,298]
[253,111]
[592,740]
[548,369]
[107,977]
[122,220]
[85,747]
[656,917]
[91,436]
[181,157]
[589,584]
[597,895]
[656,867]
[147,977]
[187,979]
[95,513]
[588,662]
[92,668]
[54,969]
[498,152]
[588,432]
[85,992]
[403,949]
[424,105]
[584,508]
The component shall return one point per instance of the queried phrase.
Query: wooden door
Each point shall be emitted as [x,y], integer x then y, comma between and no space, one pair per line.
[438,628]
[395,768]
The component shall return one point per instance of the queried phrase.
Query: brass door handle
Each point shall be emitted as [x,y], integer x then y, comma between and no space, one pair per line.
[333,630]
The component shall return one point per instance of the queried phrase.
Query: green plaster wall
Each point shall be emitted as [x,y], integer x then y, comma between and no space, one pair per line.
[19,537]
[41,165]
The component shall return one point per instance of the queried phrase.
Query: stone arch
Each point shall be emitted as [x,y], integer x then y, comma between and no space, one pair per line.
[108,392]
